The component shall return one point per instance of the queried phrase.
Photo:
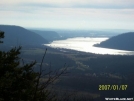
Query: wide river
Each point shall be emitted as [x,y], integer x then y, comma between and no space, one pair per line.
[86,45]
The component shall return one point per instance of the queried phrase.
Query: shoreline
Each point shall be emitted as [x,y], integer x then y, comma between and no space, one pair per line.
[64,50]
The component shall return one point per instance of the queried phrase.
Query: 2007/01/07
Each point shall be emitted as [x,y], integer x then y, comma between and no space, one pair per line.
[113,87]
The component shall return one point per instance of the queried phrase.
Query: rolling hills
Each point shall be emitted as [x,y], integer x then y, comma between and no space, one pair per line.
[123,41]
[48,35]
[16,35]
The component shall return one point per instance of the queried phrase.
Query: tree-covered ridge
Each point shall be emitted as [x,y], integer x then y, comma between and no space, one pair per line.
[123,41]
[48,35]
[16,35]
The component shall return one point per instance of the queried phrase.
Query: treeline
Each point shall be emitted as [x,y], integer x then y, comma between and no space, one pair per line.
[87,71]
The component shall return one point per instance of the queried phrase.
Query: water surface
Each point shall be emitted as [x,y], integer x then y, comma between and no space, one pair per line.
[86,45]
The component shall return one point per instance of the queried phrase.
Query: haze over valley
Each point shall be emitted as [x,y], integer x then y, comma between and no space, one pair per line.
[69,50]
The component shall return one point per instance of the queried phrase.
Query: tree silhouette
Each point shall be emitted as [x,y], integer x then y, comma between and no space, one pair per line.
[1,36]
[19,82]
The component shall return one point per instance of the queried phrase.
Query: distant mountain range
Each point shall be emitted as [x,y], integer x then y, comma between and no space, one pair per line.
[48,35]
[19,36]
[123,41]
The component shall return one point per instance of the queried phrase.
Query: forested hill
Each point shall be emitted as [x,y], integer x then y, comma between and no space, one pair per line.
[16,35]
[123,41]
[49,35]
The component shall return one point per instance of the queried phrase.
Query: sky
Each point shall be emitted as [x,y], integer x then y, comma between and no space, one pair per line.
[68,14]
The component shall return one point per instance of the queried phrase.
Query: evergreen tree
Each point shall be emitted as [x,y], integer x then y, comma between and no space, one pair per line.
[19,82]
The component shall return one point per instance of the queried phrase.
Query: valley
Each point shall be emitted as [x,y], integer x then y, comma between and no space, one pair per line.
[86,71]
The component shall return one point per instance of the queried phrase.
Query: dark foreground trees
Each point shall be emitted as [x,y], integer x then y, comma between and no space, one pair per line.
[19,82]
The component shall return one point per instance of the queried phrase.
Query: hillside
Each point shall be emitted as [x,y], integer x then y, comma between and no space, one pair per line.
[49,35]
[123,41]
[15,35]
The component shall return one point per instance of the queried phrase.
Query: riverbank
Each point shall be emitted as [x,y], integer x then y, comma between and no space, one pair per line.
[87,45]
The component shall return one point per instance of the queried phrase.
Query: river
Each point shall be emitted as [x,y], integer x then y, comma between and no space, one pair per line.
[85,44]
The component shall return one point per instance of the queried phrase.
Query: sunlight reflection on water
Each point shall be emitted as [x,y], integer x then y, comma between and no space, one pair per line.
[86,45]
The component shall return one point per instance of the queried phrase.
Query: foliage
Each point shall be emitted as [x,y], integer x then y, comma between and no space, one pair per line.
[1,36]
[19,82]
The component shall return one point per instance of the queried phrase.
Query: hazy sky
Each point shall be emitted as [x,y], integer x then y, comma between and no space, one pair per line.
[74,14]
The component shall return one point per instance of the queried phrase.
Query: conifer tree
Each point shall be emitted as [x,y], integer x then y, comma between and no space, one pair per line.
[19,82]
